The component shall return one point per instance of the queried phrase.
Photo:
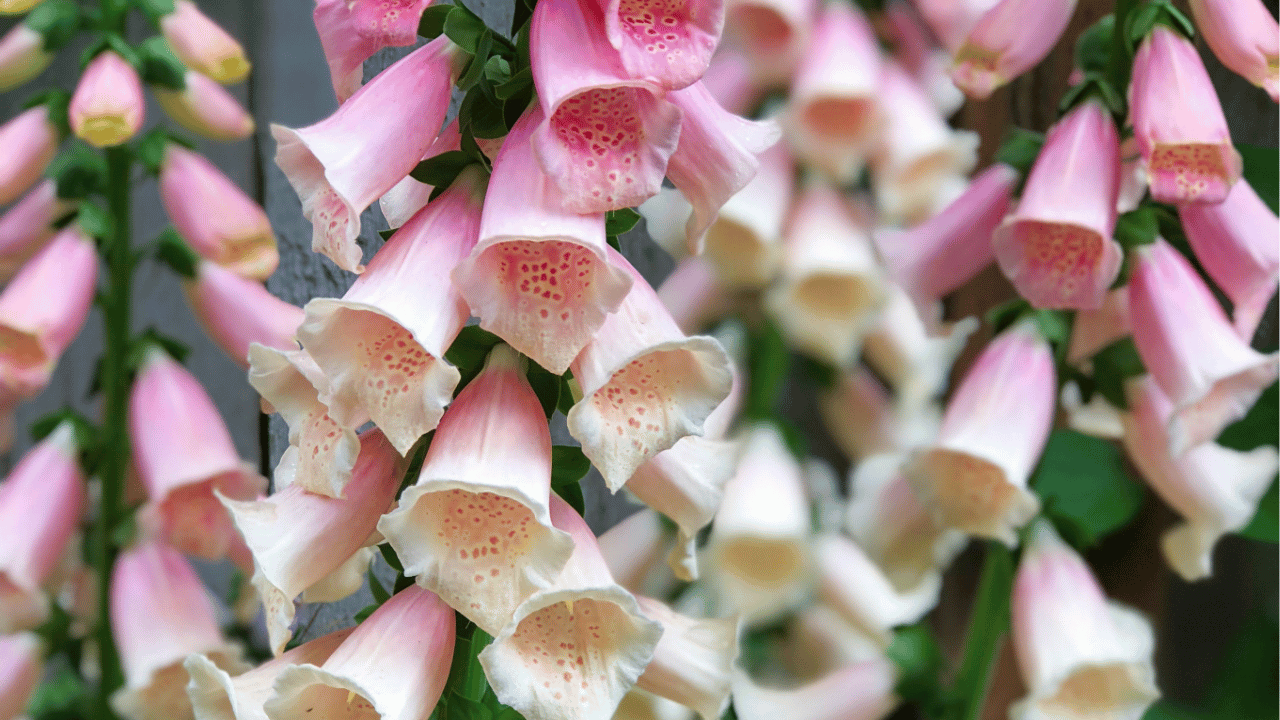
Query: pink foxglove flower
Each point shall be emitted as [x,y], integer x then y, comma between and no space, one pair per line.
[666,216]
[22,56]
[694,295]
[28,225]
[1056,246]
[666,43]
[160,614]
[408,196]
[606,137]
[635,551]
[1215,489]
[1094,330]
[694,659]
[107,106]
[204,107]
[770,34]
[1080,654]
[573,650]
[1179,124]
[915,363]
[1245,37]
[859,691]
[202,45]
[342,164]
[1187,343]
[1008,40]
[298,537]
[918,52]
[745,242]
[184,456]
[476,526]
[393,666]
[21,669]
[728,79]
[831,284]
[850,582]
[864,419]
[539,277]
[952,20]
[382,344]
[30,141]
[215,217]
[974,477]
[40,507]
[645,384]
[238,311]
[1237,242]
[351,31]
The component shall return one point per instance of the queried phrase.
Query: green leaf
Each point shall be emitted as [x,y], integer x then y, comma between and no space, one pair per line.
[1085,489]
[155,9]
[173,251]
[62,694]
[84,431]
[475,68]
[567,400]
[546,386]
[78,171]
[1093,47]
[1112,366]
[1052,325]
[389,555]
[915,651]
[380,594]
[1262,171]
[1157,12]
[513,85]
[1094,85]
[431,25]
[617,222]
[1020,148]
[95,220]
[1006,314]
[1265,525]
[149,338]
[150,149]
[365,613]
[483,114]
[568,466]
[464,28]
[1137,227]
[1245,686]
[497,70]
[769,362]
[470,348]
[1260,426]
[57,20]
[440,170]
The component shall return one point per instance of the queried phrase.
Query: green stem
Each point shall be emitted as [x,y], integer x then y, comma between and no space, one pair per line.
[1120,62]
[987,628]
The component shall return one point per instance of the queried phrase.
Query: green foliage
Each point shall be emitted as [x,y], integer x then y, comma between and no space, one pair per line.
[988,624]
[1137,227]
[1083,485]
[1143,20]
[915,651]
[1093,47]
[1259,428]
[769,362]
[1112,366]
[1262,171]
[159,65]
[431,24]
[57,20]
[1094,85]
[78,171]
[173,251]
[568,466]
[1020,148]
[440,170]
[617,222]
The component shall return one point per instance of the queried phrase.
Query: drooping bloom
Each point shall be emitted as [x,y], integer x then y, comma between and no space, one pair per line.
[864,419]
[160,614]
[1215,489]
[539,277]
[40,506]
[203,106]
[1245,37]
[1187,343]
[744,244]
[952,20]
[237,312]
[635,550]
[30,141]
[1056,246]
[407,197]
[1008,40]
[351,31]
[974,477]
[382,344]
[666,43]
[22,56]
[900,348]
[854,585]
[693,661]
[918,52]
[476,526]
[21,669]
[215,217]
[107,106]
[28,225]
[298,537]
[1237,242]
[771,34]
[1080,654]
[645,384]
[606,137]
[1179,124]
[342,164]
[693,294]
[728,79]
[1093,330]
[202,45]
[859,691]
[821,640]
[393,666]
[573,650]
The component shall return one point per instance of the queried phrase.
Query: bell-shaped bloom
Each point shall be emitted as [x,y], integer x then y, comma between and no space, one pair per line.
[202,45]
[28,225]
[342,164]
[237,312]
[215,217]
[204,107]
[694,659]
[1179,124]
[860,691]
[850,582]
[645,384]
[1008,40]
[407,197]
[1186,341]
[43,308]
[832,116]
[900,348]
[30,141]
[1215,489]
[952,20]
[107,106]
[770,34]
[184,456]
[1237,242]
[382,344]
[1245,37]
[694,295]
[476,526]
[759,546]
[666,43]
[21,669]
[716,157]
[606,137]
[863,419]
[728,78]
[352,31]
[573,650]
[947,250]
[635,551]
[1056,246]
[40,507]
[640,704]
[918,52]
[831,285]
[1081,655]
[1093,330]
[298,537]
[160,614]
[539,277]
[22,56]
[974,477]
[393,666]
[744,244]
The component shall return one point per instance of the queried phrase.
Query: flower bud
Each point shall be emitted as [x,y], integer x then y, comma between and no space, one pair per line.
[107,106]
[204,107]
[22,56]
[202,45]
[29,142]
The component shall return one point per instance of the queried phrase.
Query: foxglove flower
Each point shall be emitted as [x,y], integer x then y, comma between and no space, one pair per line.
[1056,247]
[382,345]
[107,106]
[1094,330]
[28,225]
[861,691]
[476,526]
[771,34]
[666,216]
[1215,489]
[22,56]
[900,348]
[204,107]
[1179,124]
[850,582]
[693,661]
[1008,40]
[21,669]
[202,45]
[693,294]
[1187,343]
[351,31]
[1245,37]
[342,164]
[666,43]
[640,704]
[408,196]
[952,20]
[635,551]
[863,419]
[17,7]
[215,217]
[237,312]
[974,477]
[728,79]
[539,277]
[821,640]
[30,141]
[928,64]
[744,244]
[1080,654]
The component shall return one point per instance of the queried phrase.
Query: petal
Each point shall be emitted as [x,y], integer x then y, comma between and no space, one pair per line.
[861,691]
[28,225]
[351,32]
[851,583]
[203,107]
[666,43]
[744,242]
[237,312]
[1009,39]
[693,660]
[31,141]
[863,420]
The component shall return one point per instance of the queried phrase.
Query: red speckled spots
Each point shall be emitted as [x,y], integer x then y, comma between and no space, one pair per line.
[570,654]
[1190,173]
[603,129]
[393,363]
[317,443]
[1060,261]
[659,26]
[388,22]
[546,279]
[329,217]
